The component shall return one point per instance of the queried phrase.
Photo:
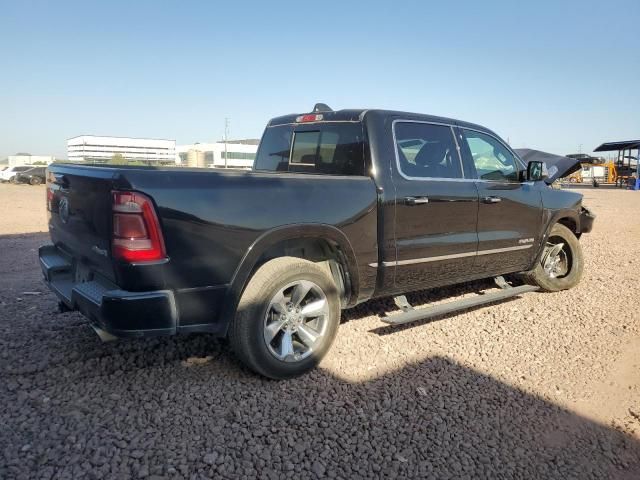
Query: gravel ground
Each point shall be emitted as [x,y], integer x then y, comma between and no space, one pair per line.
[545,386]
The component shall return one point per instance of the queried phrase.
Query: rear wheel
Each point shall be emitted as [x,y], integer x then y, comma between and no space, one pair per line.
[561,264]
[35,181]
[287,318]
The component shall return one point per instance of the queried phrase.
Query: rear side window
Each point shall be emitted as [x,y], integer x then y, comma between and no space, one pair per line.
[427,151]
[326,148]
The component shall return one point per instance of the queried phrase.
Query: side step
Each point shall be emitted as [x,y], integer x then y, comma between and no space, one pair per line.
[414,315]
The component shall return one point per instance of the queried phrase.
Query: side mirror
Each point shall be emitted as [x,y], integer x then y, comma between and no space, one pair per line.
[536,171]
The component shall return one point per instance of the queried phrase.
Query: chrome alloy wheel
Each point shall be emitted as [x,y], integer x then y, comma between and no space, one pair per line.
[555,260]
[296,320]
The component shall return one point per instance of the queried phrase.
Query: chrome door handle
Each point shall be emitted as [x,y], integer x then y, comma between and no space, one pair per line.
[416,200]
[491,199]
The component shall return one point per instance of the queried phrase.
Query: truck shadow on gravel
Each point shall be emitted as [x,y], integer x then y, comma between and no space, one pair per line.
[173,409]
[183,407]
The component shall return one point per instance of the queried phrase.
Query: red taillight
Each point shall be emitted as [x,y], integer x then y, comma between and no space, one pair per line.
[49,198]
[136,230]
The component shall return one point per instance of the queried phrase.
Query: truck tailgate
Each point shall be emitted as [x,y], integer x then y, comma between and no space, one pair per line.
[79,205]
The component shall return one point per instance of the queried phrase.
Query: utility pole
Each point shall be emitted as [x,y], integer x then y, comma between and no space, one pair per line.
[226,137]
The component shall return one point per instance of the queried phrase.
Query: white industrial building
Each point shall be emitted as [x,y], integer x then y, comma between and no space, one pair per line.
[19,160]
[98,149]
[237,153]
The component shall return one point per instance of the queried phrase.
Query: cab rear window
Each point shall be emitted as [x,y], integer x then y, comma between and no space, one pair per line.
[323,148]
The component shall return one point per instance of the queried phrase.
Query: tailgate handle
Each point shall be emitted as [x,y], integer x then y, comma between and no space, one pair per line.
[416,200]
[61,180]
[491,199]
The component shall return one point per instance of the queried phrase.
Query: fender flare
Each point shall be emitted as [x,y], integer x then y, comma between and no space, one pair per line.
[554,218]
[269,238]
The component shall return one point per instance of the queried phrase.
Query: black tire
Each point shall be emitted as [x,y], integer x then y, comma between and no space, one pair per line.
[35,181]
[247,330]
[13,180]
[572,263]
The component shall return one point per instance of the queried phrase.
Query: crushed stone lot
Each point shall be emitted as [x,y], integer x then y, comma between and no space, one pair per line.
[543,386]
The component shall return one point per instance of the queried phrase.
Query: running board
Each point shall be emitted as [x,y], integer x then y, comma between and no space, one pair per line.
[457,305]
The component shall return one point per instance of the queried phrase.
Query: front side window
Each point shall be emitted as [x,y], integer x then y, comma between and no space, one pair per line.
[493,161]
[427,151]
[323,148]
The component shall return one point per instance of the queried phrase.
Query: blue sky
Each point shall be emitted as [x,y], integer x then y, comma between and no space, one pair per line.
[549,75]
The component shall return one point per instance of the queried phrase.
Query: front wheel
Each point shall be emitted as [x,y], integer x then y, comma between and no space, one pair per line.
[287,318]
[561,264]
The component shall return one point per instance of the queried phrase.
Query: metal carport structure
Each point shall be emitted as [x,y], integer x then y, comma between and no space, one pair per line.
[625,152]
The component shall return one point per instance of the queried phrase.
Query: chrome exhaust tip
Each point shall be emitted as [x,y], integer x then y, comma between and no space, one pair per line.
[104,335]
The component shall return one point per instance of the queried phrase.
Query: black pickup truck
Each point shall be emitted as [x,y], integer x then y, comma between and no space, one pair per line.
[340,207]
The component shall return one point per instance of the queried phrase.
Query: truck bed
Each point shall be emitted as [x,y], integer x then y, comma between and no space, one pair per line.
[210,221]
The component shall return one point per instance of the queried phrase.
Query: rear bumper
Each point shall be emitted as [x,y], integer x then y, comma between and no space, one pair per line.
[118,312]
[586,220]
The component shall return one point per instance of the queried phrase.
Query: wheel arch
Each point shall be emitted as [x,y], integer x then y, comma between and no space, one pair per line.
[571,222]
[568,218]
[315,242]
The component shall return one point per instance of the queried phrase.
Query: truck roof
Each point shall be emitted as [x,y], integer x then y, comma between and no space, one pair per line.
[358,114]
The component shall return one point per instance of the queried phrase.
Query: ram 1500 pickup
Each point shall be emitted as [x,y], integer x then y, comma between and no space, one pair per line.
[340,207]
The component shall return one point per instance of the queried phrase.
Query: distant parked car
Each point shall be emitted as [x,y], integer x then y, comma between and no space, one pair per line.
[33,176]
[9,173]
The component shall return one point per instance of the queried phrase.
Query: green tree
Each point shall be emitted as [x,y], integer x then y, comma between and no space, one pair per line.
[117,159]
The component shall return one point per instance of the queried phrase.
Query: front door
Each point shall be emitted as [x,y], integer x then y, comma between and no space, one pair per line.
[436,208]
[510,210]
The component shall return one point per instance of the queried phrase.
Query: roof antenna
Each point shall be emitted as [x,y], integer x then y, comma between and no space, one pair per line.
[321,107]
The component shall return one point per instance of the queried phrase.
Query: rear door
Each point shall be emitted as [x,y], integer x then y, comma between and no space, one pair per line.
[436,207]
[510,211]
